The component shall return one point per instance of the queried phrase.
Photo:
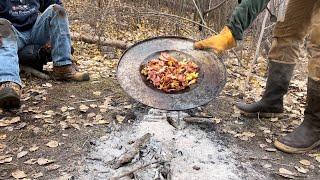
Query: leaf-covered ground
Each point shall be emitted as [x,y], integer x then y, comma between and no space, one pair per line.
[59,122]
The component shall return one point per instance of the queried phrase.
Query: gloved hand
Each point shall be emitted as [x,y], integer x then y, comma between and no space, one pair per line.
[218,43]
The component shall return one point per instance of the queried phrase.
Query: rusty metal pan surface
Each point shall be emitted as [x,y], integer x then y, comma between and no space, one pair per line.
[212,74]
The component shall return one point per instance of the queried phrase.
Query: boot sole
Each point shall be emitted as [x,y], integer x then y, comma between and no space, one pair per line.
[261,115]
[9,99]
[293,150]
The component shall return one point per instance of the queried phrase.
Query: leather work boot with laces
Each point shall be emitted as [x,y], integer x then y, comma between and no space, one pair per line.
[69,73]
[271,103]
[10,93]
[307,136]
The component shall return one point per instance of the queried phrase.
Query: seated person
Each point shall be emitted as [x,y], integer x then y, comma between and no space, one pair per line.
[25,22]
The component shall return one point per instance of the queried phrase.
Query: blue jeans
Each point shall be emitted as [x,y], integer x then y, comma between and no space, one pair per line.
[52,25]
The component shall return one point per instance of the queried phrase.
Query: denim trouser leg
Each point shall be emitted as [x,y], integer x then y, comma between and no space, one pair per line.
[53,26]
[10,41]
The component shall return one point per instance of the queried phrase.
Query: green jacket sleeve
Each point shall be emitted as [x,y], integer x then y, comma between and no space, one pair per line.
[244,14]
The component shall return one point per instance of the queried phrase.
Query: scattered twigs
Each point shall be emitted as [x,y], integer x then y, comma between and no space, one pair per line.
[214,8]
[135,170]
[34,72]
[237,56]
[177,17]
[136,146]
[99,40]
[200,13]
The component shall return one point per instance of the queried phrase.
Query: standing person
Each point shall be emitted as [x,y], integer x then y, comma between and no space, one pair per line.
[24,22]
[301,18]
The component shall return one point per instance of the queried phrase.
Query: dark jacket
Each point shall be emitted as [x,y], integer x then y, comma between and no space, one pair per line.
[23,13]
[244,14]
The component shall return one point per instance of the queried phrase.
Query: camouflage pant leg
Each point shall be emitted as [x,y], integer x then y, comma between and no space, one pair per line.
[289,34]
[314,45]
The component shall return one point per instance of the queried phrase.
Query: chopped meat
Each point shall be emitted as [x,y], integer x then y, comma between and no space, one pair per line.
[170,75]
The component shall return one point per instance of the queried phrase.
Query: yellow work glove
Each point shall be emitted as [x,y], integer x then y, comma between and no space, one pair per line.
[218,43]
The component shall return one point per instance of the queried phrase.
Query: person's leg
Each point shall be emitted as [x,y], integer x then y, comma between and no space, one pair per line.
[307,135]
[287,37]
[52,25]
[10,83]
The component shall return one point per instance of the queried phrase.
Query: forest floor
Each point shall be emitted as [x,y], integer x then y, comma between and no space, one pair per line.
[79,130]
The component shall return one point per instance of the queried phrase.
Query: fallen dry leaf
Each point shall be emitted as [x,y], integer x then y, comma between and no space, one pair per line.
[268,140]
[87,124]
[245,136]
[271,149]
[83,108]
[3,136]
[64,109]
[76,126]
[103,122]
[30,161]
[120,119]
[127,106]
[4,123]
[267,166]
[2,147]
[33,148]
[43,161]
[93,105]
[5,159]
[63,125]
[21,154]
[305,162]
[97,93]
[18,174]
[274,119]
[216,120]
[285,171]
[103,110]
[37,175]
[47,85]
[301,169]
[263,145]
[98,117]
[52,144]
[90,115]
[53,167]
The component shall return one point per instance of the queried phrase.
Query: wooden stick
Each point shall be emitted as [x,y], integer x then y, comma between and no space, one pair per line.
[198,120]
[200,13]
[128,156]
[135,169]
[214,8]
[34,72]
[99,40]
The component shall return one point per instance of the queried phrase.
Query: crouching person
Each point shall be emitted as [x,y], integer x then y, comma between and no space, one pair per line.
[24,22]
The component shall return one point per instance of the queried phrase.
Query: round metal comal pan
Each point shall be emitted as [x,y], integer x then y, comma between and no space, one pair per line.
[212,74]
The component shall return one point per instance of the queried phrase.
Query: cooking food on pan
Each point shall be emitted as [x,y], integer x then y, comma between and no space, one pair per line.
[169,74]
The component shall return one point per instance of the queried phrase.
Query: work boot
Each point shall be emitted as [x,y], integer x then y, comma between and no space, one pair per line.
[271,104]
[69,73]
[10,93]
[307,135]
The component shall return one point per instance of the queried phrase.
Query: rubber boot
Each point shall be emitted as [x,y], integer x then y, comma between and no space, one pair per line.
[307,135]
[271,104]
